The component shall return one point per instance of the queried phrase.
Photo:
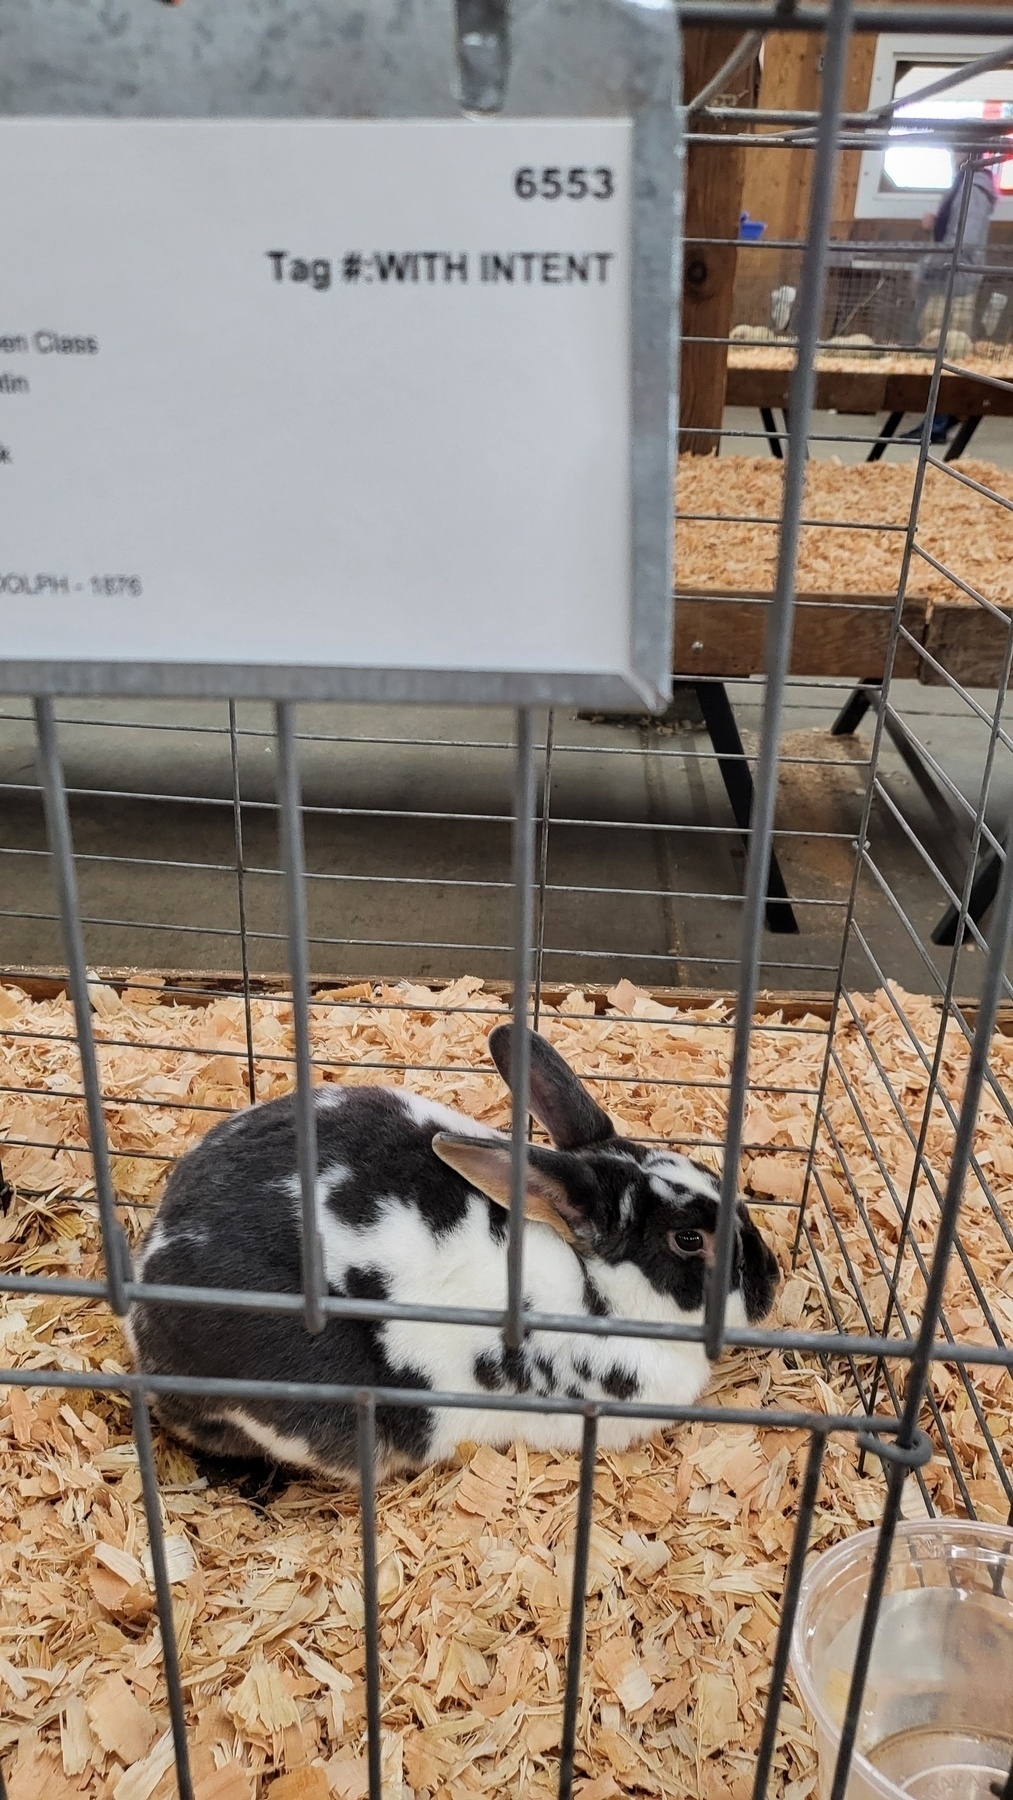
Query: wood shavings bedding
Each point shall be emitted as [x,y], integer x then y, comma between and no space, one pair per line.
[962,529]
[985,359]
[691,1532]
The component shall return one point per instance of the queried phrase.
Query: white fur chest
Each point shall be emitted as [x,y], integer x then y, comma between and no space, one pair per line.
[467,1268]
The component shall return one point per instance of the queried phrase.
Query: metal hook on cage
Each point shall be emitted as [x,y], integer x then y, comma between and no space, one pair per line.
[482,33]
[906,1456]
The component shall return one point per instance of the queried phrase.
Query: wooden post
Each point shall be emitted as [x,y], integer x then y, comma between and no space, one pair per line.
[776,185]
[856,97]
[713,203]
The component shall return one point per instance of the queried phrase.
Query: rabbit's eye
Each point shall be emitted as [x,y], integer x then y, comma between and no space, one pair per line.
[685,1243]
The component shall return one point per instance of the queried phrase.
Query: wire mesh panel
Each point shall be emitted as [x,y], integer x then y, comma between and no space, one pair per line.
[875,307]
[763,938]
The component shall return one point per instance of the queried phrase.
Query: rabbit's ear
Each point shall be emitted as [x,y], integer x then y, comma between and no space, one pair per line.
[556,1193]
[760,1272]
[558,1098]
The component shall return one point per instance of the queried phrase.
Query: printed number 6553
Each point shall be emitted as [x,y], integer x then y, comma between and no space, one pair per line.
[564,184]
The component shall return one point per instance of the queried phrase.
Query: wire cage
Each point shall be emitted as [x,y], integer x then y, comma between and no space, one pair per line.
[763,939]
[873,306]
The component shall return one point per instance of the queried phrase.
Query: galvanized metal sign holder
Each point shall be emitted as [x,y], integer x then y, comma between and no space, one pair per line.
[340,352]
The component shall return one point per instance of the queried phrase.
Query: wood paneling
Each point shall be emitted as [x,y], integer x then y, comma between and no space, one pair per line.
[776,183]
[856,99]
[713,204]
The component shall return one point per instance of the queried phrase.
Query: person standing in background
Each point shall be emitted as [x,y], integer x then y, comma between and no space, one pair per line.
[930,290]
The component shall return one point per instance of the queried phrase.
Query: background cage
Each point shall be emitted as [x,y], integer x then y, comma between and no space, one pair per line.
[165,862]
[872,303]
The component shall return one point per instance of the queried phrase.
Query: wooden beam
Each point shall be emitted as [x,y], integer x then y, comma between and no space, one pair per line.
[776,184]
[967,641]
[835,635]
[877,388]
[857,81]
[713,203]
[791,1005]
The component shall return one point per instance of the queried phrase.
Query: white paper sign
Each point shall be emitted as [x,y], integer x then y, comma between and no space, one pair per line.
[316,393]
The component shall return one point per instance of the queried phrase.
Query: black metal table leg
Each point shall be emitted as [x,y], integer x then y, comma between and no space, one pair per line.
[735,773]
[964,435]
[889,430]
[773,435]
[986,882]
[983,891]
[855,707]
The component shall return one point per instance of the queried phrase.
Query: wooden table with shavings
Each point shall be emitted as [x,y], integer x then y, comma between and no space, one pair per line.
[759,375]
[727,534]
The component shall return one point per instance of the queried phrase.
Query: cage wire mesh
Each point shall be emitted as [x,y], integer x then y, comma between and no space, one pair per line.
[874,311]
[871,308]
[215,904]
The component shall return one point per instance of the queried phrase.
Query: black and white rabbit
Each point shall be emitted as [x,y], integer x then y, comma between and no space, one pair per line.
[412,1201]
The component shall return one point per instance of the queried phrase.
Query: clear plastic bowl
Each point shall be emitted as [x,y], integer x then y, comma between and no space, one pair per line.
[937,1717]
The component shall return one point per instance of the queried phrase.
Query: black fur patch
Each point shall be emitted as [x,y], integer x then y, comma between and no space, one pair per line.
[373,1133]
[499,1222]
[516,1373]
[260,1251]
[488,1371]
[256,1482]
[619,1384]
[755,1270]
[595,1302]
[365,1284]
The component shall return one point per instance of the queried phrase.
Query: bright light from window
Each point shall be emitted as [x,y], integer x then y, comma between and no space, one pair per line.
[927,167]
[930,168]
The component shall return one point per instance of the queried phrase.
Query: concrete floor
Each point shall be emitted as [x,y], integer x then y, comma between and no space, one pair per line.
[850,436]
[408,839]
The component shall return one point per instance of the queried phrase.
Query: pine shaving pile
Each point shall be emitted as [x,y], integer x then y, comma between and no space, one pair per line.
[962,529]
[986,359]
[691,1532]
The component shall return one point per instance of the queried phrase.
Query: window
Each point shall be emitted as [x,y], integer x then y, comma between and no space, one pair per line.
[908,178]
